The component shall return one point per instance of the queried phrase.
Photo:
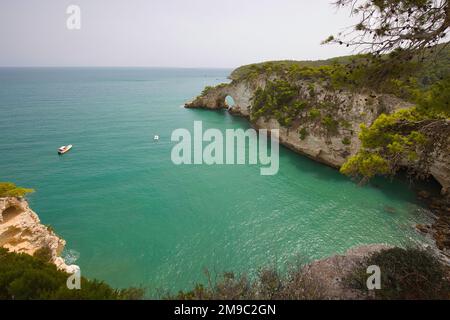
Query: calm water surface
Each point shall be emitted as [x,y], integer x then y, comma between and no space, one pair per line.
[131,217]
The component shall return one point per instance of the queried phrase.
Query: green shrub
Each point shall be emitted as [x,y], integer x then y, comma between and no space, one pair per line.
[311,90]
[303,133]
[277,99]
[405,274]
[403,135]
[365,164]
[300,105]
[44,254]
[9,189]
[345,124]
[346,141]
[206,90]
[330,124]
[314,113]
[23,277]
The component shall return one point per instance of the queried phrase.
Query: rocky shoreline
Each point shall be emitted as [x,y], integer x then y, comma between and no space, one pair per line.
[439,230]
[21,231]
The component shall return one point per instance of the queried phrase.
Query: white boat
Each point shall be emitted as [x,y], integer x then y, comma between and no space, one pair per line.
[64,149]
[156,138]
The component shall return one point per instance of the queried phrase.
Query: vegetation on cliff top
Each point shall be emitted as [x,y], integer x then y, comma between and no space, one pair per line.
[383,74]
[278,67]
[9,189]
[23,277]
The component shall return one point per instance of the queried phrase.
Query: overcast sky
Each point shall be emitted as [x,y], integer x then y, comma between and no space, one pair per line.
[168,33]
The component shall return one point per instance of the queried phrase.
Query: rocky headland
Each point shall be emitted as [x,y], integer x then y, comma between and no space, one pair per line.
[350,110]
[323,123]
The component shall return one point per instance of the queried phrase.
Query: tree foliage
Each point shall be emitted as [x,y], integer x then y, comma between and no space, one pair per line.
[404,26]
[277,99]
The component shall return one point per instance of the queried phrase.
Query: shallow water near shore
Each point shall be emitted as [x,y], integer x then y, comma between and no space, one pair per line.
[132,218]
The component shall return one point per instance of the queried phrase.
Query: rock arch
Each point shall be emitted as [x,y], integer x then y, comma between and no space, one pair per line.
[215,98]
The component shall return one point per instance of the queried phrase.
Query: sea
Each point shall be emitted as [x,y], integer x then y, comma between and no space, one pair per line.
[131,217]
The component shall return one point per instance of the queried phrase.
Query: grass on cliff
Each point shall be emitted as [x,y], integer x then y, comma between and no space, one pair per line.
[23,277]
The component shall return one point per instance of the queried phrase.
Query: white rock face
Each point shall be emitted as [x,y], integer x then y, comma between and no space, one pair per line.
[21,231]
[441,170]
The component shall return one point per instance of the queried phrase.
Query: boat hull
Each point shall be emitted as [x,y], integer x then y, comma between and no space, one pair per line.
[60,152]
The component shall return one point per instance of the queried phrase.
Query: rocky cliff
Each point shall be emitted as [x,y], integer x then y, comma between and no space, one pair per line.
[21,231]
[331,136]
[328,274]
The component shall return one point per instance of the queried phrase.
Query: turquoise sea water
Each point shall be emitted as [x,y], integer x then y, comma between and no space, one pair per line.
[131,217]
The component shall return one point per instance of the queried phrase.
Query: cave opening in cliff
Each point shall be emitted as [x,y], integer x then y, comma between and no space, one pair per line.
[10,213]
[229,102]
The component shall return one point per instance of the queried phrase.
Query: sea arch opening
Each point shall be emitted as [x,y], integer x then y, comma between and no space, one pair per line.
[230,102]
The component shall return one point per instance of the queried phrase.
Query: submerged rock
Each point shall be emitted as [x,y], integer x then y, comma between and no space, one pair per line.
[389,209]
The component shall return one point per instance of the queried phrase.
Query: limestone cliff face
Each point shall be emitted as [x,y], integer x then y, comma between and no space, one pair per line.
[21,231]
[350,109]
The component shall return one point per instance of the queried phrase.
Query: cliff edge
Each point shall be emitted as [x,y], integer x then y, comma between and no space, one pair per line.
[323,122]
[21,231]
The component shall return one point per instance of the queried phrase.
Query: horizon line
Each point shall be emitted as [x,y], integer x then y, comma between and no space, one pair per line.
[152,67]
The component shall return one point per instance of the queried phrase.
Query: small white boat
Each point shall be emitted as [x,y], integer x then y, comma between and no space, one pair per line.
[156,138]
[64,149]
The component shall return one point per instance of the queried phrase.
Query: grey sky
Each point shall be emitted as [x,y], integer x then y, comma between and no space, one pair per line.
[172,33]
